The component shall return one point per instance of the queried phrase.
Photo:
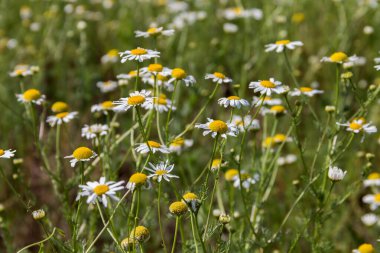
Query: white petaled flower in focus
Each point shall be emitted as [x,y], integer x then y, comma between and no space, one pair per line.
[31,96]
[154,31]
[280,45]
[153,146]
[107,86]
[81,154]
[369,219]
[218,127]
[373,200]
[266,87]
[178,74]
[218,77]
[138,54]
[6,154]
[233,101]
[358,125]
[245,123]
[62,117]
[100,191]
[178,144]
[308,91]
[137,98]
[161,171]
[94,131]
[336,174]
[373,179]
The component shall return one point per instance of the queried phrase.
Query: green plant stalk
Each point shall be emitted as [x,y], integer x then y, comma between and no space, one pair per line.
[290,69]
[159,216]
[193,230]
[177,221]
[170,112]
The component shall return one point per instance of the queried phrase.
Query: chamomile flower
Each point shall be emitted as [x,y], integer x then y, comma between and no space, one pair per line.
[230,174]
[218,127]
[237,12]
[373,179]
[107,86]
[364,248]
[100,190]
[369,219]
[354,61]
[233,101]
[104,107]
[285,160]
[31,96]
[373,200]
[137,180]
[192,200]
[216,164]
[155,69]
[81,154]
[160,103]
[123,79]
[277,110]
[245,179]
[178,74]
[140,233]
[178,208]
[336,174]
[257,101]
[153,146]
[137,98]
[308,91]
[275,140]
[179,144]
[112,56]
[266,87]
[161,171]
[21,71]
[218,78]
[62,117]
[280,45]
[359,125]
[7,154]
[337,57]
[154,31]
[94,131]
[138,54]
[377,67]
[59,107]
[245,123]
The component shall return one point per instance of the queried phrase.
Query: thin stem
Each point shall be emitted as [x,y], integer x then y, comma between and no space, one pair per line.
[170,112]
[177,221]
[159,216]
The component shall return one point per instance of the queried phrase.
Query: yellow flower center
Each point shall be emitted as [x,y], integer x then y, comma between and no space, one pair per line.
[113,53]
[219,75]
[218,126]
[31,94]
[237,10]
[155,67]
[267,84]
[152,30]
[140,233]
[366,248]
[216,163]
[338,57]
[160,101]
[58,107]
[244,176]
[355,126]
[107,105]
[230,174]
[132,73]
[178,73]
[178,208]
[298,17]
[2,152]
[82,153]
[101,189]
[162,77]
[161,172]
[108,83]
[61,115]
[138,178]
[153,144]
[278,109]
[268,142]
[306,89]
[233,98]
[282,42]
[138,51]
[178,142]
[190,196]
[363,120]
[136,100]
[377,197]
[19,72]
[279,138]
[374,175]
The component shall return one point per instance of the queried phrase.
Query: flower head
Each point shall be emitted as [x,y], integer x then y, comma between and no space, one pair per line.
[178,74]
[373,200]
[233,101]
[230,174]
[31,96]
[23,70]
[140,233]
[280,45]
[38,214]
[104,107]
[160,103]
[358,125]
[336,174]
[161,171]
[192,200]
[337,57]
[137,180]
[245,123]
[373,179]
[178,208]
[245,180]
[178,144]
[152,146]
[218,78]
[94,131]
[6,154]
[107,86]
[305,91]
[62,117]
[59,107]
[81,154]
[364,248]
[138,54]
[218,127]
[137,98]
[110,57]
[267,86]
[154,31]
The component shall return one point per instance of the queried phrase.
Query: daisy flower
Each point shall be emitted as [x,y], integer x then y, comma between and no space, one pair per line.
[107,86]
[267,86]
[373,179]
[364,248]
[216,164]
[62,117]
[359,125]
[154,31]
[218,127]
[178,74]
[155,69]
[336,174]
[161,171]
[245,123]
[337,57]
[373,200]
[94,131]
[81,154]
[245,179]
[138,54]
[377,67]
[218,78]
[137,180]
[233,101]
[137,98]
[237,12]
[31,96]
[6,154]
[288,159]
[59,107]
[230,174]
[369,219]
[277,110]
[161,104]
[100,191]
[179,144]
[257,101]
[153,146]
[110,57]
[280,45]
[104,107]
[192,200]
[305,91]
[140,233]
[21,71]
[178,208]
[277,139]
[353,61]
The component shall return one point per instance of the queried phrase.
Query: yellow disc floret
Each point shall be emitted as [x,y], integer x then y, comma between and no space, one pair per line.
[155,67]
[338,57]
[218,126]
[178,73]
[153,144]
[278,138]
[59,106]
[282,42]
[82,153]
[2,152]
[178,208]
[61,115]
[31,95]
[113,53]
[136,100]
[140,233]
[219,75]
[190,196]
[138,51]
[267,84]
[107,105]
[372,176]
[355,126]
[306,89]
[233,98]
[101,189]
[377,198]
[178,142]
[277,109]
[366,248]
[230,174]
[138,178]
[152,30]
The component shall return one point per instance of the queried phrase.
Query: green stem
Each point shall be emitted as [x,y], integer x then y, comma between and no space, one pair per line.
[159,216]
[177,221]
[170,112]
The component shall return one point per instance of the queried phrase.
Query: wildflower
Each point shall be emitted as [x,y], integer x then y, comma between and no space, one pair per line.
[160,103]
[31,96]
[100,190]
[271,141]
[178,208]
[59,107]
[373,179]
[377,67]
[288,159]
[305,91]
[230,174]
[298,17]
[369,219]
[107,86]
[276,110]
[218,78]
[154,69]
[153,146]
[265,101]
[224,218]
[237,12]
[218,127]
[154,31]
[128,243]
[94,131]
[140,233]
[178,144]
[192,200]
[336,174]
[245,123]
[62,117]
[353,61]
[245,179]
[359,125]
[6,154]
[233,101]
[104,107]
[38,214]
[230,28]
[216,164]
[373,200]
[137,98]
[337,57]
[280,45]
[137,180]
[179,74]
[21,71]
[364,248]
[138,54]
[81,154]
[110,57]
[266,87]
[161,171]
